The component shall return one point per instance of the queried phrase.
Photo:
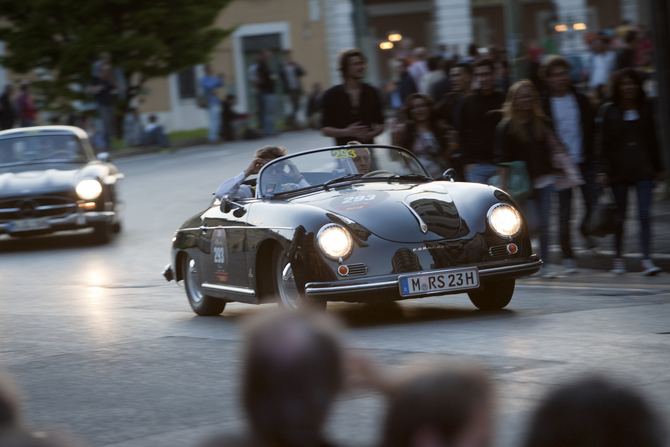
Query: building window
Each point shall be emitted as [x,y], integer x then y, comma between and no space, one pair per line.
[187,83]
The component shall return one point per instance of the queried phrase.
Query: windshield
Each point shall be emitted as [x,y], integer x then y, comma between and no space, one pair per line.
[325,166]
[36,148]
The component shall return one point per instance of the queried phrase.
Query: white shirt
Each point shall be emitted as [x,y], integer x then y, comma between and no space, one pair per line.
[568,124]
[602,66]
[291,74]
[418,70]
[236,190]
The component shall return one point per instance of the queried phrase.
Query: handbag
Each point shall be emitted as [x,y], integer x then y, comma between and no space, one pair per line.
[605,216]
[519,185]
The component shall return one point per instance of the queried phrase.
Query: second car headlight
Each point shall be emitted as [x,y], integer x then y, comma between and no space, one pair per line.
[335,241]
[88,189]
[505,220]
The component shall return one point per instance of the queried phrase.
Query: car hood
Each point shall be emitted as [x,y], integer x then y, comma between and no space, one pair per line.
[398,212]
[36,179]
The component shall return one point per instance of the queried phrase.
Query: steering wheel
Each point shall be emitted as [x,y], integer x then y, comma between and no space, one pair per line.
[376,173]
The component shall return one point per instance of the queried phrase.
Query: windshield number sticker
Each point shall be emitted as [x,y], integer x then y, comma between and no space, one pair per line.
[343,153]
[358,199]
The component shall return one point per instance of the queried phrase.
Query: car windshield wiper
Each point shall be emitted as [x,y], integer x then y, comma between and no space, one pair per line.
[410,176]
[344,178]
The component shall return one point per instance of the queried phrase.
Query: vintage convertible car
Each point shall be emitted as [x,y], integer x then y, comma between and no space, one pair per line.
[371,225]
[51,180]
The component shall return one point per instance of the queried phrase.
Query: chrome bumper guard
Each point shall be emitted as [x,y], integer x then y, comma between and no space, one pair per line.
[390,282]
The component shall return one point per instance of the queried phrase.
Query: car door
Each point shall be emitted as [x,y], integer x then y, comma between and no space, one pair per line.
[224,259]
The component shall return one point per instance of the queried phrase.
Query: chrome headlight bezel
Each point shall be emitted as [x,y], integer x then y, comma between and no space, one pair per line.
[87,189]
[490,216]
[342,254]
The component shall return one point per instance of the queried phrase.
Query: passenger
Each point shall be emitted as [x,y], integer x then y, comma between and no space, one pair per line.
[234,187]
[293,369]
[444,407]
[593,411]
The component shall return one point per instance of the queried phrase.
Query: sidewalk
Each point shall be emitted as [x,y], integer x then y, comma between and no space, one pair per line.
[600,259]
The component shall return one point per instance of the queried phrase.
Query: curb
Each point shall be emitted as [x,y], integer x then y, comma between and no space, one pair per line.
[602,259]
[143,150]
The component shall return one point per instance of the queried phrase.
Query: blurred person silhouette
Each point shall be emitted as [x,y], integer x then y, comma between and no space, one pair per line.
[10,403]
[406,85]
[625,57]
[26,110]
[573,122]
[209,84]
[601,66]
[265,83]
[630,157]
[479,117]
[352,110]
[442,407]
[132,128]
[293,368]
[234,186]
[154,133]
[290,74]
[435,74]
[418,130]
[7,108]
[594,411]
[525,135]
[419,67]
[231,121]
[444,85]
[314,106]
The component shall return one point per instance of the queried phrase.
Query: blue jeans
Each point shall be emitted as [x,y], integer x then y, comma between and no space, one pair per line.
[565,208]
[214,113]
[481,173]
[538,212]
[269,106]
[643,188]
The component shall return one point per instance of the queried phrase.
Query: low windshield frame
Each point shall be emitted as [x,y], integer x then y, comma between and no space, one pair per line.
[31,151]
[409,157]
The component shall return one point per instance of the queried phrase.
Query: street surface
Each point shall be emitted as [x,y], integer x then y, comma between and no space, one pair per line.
[101,344]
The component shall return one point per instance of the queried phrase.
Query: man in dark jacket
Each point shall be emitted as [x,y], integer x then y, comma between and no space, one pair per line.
[573,121]
[352,111]
[7,112]
[478,120]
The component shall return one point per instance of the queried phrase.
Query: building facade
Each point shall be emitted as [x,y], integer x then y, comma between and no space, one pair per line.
[316,31]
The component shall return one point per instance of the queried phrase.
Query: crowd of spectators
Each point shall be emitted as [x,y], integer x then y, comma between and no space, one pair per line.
[295,365]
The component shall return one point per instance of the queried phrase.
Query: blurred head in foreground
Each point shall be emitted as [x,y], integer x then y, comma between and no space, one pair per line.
[445,407]
[293,369]
[10,403]
[594,412]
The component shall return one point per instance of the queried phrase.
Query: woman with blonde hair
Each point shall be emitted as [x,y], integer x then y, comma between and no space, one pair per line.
[525,134]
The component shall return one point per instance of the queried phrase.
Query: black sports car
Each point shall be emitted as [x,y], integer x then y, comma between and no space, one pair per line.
[370,225]
[51,180]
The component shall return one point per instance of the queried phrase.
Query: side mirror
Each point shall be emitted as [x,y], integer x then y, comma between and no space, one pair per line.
[104,157]
[449,174]
[227,204]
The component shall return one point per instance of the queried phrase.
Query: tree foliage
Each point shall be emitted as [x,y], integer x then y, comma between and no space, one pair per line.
[146,39]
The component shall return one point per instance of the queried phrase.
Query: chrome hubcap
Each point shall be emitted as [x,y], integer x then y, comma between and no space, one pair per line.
[288,290]
[193,282]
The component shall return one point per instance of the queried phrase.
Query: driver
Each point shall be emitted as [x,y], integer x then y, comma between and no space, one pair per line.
[362,160]
[236,190]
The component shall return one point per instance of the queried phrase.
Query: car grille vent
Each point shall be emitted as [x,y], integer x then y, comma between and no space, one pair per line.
[499,250]
[43,206]
[357,269]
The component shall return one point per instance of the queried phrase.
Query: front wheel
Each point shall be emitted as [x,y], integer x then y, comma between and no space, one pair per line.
[493,295]
[289,296]
[201,304]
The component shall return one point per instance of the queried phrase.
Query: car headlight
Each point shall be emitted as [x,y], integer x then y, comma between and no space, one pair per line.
[335,241]
[88,189]
[505,220]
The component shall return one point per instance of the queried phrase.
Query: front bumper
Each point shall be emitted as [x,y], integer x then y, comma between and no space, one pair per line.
[69,222]
[386,287]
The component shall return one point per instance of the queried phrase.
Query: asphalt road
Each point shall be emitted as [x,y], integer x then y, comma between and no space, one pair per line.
[102,345]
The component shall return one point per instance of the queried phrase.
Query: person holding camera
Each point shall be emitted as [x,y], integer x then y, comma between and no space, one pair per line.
[234,187]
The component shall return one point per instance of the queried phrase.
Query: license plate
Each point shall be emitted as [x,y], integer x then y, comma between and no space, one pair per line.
[16,226]
[439,281]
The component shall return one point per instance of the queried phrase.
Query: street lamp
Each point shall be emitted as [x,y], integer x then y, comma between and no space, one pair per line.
[386,45]
[395,37]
